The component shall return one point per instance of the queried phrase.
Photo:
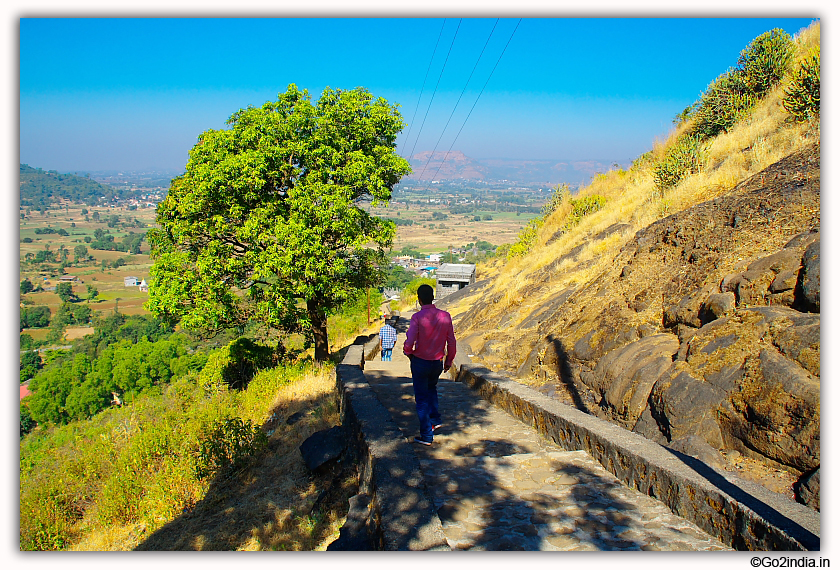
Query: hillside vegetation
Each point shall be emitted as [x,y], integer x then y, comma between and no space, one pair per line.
[159,442]
[40,189]
[659,283]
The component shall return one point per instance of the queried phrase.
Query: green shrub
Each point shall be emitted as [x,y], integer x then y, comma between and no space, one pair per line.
[233,366]
[119,501]
[503,250]
[409,293]
[802,99]
[47,516]
[558,196]
[528,235]
[761,66]
[723,103]
[683,158]
[526,239]
[585,206]
[228,444]
[764,61]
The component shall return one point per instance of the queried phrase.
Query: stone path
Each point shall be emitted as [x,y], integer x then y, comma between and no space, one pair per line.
[499,485]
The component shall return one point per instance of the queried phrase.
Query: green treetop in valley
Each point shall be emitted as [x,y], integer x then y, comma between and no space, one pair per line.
[265,223]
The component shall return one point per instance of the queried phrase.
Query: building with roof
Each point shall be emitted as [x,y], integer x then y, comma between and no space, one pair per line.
[452,277]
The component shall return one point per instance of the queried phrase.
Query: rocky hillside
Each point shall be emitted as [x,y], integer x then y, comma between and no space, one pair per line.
[702,333]
[680,298]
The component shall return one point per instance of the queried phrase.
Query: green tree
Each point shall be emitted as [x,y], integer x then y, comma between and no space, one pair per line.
[35,317]
[398,277]
[64,291]
[26,286]
[30,364]
[92,292]
[27,424]
[79,253]
[265,224]
[411,251]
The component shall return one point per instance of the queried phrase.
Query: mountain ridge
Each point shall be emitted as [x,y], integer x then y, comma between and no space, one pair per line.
[457,165]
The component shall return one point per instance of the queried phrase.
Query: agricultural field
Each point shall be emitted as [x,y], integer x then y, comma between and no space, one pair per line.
[109,280]
[431,232]
[428,227]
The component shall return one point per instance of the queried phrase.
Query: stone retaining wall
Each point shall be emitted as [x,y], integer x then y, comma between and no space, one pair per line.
[739,513]
[393,510]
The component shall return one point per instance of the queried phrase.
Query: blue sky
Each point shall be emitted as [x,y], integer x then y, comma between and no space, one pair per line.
[134,94]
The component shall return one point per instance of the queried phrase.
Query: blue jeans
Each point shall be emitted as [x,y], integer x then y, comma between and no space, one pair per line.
[386,354]
[424,375]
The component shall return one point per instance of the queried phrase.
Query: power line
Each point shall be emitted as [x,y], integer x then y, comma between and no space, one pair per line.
[419,178]
[479,97]
[436,86]
[408,136]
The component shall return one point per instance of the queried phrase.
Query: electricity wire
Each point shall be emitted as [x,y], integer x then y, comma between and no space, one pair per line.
[410,126]
[419,178]
[435,91]
[479,97]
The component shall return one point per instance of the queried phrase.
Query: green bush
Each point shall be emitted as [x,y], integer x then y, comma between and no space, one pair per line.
[228,444]
[764,61]
[233,366]
[761,66]
[723,103]
[802,99]
[47,516]
[528,235]
[409,294]
[585,206]
[526,239]
[119,501]
[558,196]
[683,158]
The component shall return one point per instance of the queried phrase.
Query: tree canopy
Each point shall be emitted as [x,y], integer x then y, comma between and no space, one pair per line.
[265,223]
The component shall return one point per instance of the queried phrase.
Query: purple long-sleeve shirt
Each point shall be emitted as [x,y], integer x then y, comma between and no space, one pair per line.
[430,335]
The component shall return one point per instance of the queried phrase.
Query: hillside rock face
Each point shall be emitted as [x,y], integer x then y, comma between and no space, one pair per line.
[705,329]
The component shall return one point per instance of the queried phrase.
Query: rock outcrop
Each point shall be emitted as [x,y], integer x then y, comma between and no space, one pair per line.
[705,329]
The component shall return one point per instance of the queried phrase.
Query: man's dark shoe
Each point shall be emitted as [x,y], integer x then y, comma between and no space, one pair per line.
[437,427]
[422,441]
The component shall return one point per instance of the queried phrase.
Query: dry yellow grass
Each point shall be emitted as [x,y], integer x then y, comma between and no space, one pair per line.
[265,507]
[749,147]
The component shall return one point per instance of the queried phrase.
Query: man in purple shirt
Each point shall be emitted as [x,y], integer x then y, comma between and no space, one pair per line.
[430,346]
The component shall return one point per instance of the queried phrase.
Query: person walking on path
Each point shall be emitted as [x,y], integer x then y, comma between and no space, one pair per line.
[430,346]
[387,338]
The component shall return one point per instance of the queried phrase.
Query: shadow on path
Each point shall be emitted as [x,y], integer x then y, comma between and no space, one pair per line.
[498,485]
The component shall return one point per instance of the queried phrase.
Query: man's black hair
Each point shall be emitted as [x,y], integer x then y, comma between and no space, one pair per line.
[425,294]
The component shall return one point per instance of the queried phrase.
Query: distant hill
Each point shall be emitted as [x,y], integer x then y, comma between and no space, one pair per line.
[460,166]
[45,187]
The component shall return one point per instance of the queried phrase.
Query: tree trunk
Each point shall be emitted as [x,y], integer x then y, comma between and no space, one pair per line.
[319,330]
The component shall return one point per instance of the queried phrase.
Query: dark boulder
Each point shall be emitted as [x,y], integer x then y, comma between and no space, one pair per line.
[323,447]
[807,489]
[624,377]
[684,405]
[354,535]
[697,447]
[759,358]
